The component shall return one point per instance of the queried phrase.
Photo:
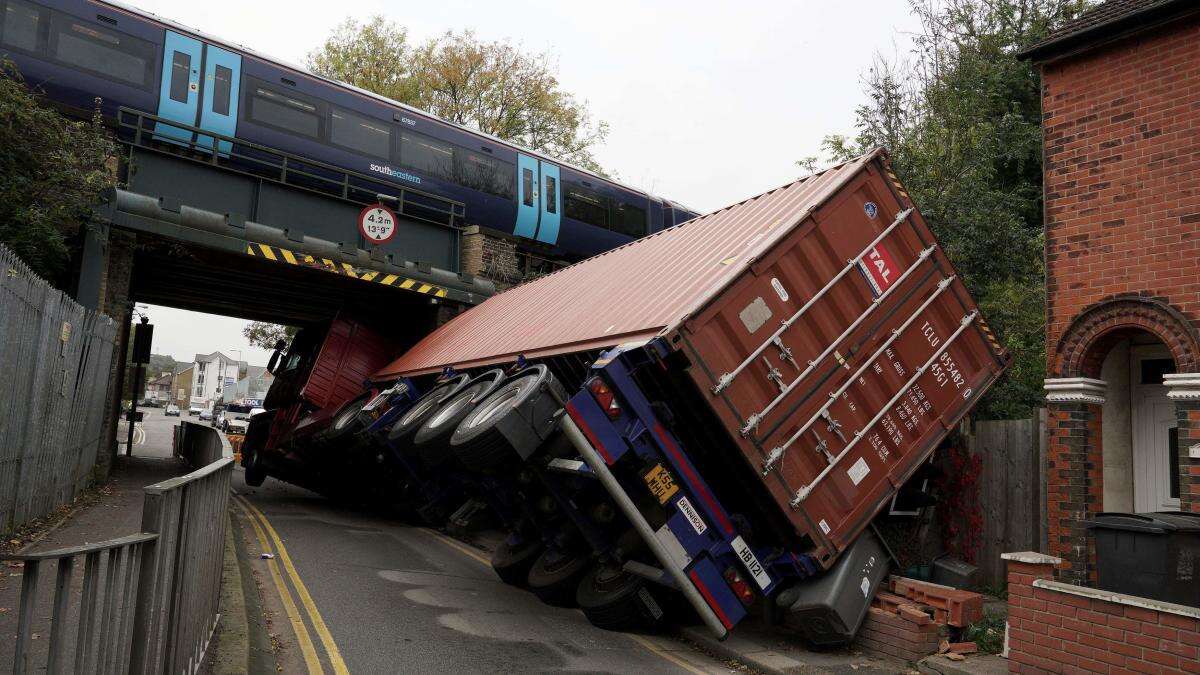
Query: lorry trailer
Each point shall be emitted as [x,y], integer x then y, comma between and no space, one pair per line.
[749,389]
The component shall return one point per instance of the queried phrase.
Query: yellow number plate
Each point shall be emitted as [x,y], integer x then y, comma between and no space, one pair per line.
[661,484]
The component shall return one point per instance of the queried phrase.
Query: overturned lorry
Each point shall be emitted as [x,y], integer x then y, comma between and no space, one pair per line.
[718,410]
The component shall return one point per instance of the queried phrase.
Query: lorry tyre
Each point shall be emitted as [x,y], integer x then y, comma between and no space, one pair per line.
[554,576]
[511,423]
[512,561]
[614,599]
[256,473]
[432,439]
[349,420]
[404,428]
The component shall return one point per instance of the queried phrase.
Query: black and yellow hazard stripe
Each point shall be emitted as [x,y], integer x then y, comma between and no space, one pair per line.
[282,255]
[887,168]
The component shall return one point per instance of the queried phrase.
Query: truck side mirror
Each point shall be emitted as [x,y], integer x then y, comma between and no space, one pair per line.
[274,360]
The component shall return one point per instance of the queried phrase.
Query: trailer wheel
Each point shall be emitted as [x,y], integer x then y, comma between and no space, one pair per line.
[512,561]
[614,599]
[432,439]
[510,423]
[402,430]
[348,420]
[554,576]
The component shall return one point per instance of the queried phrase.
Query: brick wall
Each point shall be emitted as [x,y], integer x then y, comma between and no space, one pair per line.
[1074,485]
[1188,418]
[1121,174]
[1052,630]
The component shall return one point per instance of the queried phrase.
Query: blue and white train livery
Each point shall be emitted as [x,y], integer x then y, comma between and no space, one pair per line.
[78,51]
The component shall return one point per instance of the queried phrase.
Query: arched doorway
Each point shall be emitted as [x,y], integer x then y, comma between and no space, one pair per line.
[1123,404]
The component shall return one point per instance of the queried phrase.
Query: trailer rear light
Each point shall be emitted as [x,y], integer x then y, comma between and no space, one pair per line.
[739,586]
[605,398]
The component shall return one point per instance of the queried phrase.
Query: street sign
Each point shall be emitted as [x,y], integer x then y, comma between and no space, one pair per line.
[377,224]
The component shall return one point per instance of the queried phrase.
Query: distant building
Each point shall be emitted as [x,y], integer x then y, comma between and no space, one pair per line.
[253,387]
[182,393]
[159,388]
[212,375]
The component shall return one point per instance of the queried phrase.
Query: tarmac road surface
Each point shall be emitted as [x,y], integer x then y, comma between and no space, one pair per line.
[350,591]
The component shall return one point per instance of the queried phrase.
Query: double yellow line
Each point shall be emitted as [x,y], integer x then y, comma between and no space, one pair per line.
[269,539]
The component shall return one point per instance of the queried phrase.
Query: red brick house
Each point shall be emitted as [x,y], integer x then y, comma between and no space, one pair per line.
[1121,122]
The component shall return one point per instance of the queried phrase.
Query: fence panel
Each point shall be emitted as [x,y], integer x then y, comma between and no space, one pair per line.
[1009,491]
[56,357]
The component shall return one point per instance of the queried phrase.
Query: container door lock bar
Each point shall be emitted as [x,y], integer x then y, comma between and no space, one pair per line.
[777,452]
[803,492]
[726,379]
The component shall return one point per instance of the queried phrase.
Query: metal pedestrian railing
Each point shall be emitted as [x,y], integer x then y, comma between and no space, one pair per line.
[147,602]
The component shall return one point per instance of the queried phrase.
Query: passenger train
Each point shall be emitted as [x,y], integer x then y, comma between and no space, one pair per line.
[77,51]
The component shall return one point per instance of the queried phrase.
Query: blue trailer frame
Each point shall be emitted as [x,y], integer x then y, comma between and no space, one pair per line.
[699,541]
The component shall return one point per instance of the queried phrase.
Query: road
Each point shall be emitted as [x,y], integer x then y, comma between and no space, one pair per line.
[152,436]
[387,597]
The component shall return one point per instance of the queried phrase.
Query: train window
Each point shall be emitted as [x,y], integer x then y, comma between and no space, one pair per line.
[483,173]
[221,89]
[181,70]
[285,112]
[551,195]
[527,187]
[628,219]
[359,133]
[428,155]
[103,51]
[586,206]
[20,26]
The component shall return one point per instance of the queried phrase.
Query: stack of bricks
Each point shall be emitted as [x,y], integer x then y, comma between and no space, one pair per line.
[907,618]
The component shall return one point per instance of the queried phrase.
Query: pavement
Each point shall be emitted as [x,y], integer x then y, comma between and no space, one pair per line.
[107,511]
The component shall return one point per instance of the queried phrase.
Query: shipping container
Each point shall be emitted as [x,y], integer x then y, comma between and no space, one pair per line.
[819,322]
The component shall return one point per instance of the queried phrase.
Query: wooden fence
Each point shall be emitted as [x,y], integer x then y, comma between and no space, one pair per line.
[1011,490]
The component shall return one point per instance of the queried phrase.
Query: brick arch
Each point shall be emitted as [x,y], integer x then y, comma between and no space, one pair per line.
[1087,340]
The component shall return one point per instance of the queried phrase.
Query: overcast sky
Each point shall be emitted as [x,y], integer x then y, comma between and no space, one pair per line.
[708,103]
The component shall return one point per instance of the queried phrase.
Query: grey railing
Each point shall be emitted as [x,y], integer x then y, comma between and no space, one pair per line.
[148,601]
[56,357]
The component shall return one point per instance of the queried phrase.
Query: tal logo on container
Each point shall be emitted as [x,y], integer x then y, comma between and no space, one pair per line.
[879,268]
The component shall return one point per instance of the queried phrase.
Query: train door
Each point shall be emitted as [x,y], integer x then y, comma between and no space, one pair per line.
[218,108]
[551,211]
[179,93]
[209,101]
[528,202]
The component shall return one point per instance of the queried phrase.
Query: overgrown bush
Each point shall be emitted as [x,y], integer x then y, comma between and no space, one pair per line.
[52,170]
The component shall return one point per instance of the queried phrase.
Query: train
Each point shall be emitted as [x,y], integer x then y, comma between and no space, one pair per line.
[84,53]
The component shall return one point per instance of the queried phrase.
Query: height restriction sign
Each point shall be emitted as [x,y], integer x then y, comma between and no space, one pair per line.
[377,223]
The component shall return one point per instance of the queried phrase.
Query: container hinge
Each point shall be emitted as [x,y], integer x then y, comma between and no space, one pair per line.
[751,424]
[785,352]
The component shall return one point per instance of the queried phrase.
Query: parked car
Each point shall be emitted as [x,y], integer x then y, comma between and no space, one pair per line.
[206,414]
[195,410]
[172,410]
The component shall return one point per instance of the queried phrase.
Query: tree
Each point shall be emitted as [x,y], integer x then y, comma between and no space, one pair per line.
[962,123]
[52,171]
[493,87]
[265,335]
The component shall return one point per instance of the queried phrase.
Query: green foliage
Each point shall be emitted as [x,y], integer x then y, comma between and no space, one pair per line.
[490,86]
[962,123]
[987,633]
[265,335]
[52,170]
